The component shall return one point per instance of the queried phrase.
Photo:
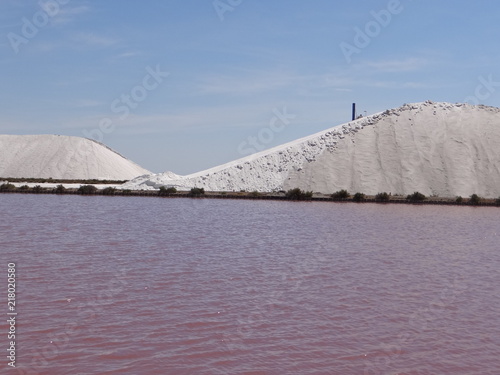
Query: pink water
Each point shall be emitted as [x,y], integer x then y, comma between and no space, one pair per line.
[115,285]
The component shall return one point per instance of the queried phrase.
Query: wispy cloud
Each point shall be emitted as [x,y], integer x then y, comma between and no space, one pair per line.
[395,85]
[126,55]
[395,66]
[202,117]
[94,40]
[346,82]
[370,74]
[45,46]
[68,14]
[245,82]
[87,103]
[74,81]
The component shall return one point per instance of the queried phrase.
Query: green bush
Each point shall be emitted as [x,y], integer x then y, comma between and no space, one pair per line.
[126,192]
[166,191]
[459,199]
[416,197]
[24,188]
[498,201]
[108,191]
[196,192]
[341,194]
[37,189]
[7,187]
[298,195]
[255,193]
[474,199]
[87,189]
[382,197]
[359,197]
[162,191]
[60,189]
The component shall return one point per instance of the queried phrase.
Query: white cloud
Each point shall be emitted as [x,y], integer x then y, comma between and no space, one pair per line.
[394,66]
[87,103]
[245,82]
[44,46]
[95,40]
[202,117]
[67,14]
[340,84]
[127,55]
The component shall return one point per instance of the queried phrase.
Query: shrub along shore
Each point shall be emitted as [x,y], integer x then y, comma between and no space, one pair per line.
[290,195]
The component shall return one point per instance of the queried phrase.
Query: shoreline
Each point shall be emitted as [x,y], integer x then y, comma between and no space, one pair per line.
[258,196]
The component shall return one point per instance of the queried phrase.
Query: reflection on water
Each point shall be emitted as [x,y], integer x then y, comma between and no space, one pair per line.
[115,285]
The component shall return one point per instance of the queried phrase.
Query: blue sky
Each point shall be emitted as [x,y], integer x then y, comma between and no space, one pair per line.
[185,85]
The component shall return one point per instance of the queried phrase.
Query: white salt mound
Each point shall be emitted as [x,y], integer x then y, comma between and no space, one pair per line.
[62,157]
[434,148]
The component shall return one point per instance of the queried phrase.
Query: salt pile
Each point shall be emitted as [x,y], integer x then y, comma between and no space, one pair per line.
[62,157]
[434,148]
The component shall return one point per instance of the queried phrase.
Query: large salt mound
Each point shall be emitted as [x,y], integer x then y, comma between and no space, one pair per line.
[435,148]
[62,157]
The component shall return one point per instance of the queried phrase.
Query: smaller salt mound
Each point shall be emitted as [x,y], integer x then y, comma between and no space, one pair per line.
[63,157]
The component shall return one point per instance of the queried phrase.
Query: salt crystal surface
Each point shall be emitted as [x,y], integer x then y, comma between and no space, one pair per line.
[63,157]
[435,148]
